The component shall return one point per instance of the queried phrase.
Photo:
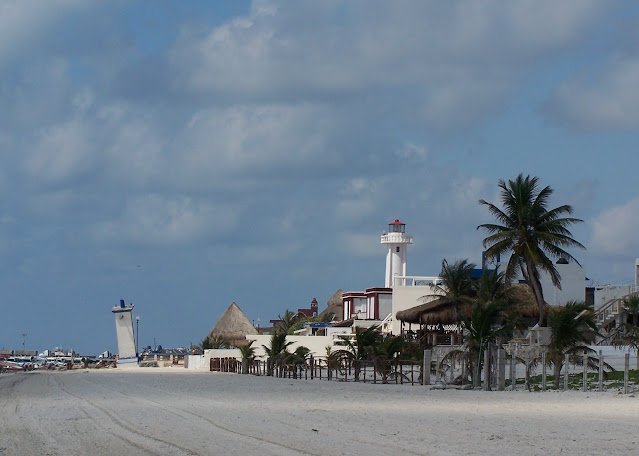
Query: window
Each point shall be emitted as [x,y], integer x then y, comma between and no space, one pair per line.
[397,249]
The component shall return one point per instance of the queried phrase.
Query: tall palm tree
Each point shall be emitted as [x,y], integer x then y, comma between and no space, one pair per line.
[530,232]
[572,329]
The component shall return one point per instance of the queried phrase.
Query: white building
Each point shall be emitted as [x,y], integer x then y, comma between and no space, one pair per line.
[396,240]
[573,284]
[127,356]
[377,303]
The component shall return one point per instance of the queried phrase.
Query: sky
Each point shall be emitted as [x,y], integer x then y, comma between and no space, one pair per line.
[185,155]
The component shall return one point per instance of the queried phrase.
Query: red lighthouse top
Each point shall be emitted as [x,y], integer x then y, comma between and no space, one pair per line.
[396,227]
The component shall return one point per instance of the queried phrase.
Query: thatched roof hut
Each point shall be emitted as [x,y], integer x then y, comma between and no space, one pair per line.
[233,326]
[335,306]
[441,311]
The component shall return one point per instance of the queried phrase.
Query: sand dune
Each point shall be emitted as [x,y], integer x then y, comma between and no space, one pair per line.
[175,412]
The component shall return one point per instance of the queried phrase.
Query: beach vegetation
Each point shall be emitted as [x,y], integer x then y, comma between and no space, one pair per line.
[276,352]
[572,328]
[356,348]
[248,353]
[533,234]
[215,342]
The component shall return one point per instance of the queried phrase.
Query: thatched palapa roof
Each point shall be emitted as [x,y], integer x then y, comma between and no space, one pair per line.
[440,311]
[335,306]
[233,326]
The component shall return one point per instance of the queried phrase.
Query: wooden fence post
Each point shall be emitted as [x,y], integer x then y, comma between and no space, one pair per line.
[566,369]
[543,371]
[585,361]
[487,367]
[501,372]
[600,371]
[426,367]
[626,368]
[513,371]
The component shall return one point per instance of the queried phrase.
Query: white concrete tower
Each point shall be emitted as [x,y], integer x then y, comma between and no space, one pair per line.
[124,330]
[397,240]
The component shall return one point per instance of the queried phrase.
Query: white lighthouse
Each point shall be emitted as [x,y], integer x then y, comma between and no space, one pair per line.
[396,240]
[124,330]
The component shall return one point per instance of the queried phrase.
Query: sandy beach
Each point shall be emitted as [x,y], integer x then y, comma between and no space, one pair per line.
[169,411]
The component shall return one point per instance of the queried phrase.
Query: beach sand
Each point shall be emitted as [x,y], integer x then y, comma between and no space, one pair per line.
[171,411]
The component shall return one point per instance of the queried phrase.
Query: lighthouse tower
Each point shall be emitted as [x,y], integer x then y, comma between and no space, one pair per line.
[124,330]
[396,240]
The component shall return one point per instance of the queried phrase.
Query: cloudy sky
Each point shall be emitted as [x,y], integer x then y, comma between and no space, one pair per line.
[184,155]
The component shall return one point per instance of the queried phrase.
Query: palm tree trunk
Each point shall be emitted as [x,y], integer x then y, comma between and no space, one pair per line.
[535,284]
[556,367]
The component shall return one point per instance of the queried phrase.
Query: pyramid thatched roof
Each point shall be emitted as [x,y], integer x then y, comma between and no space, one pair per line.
[334,305]
[233,325]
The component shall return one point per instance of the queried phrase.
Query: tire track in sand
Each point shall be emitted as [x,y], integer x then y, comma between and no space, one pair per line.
[121,423]
[180,412]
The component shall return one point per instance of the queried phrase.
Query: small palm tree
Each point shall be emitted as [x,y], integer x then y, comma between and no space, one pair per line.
[384,353]
[530,232]
[277,350]
[248,353]
[485,325]
[572,328]
[631,305]
[457,287]
[297,358]
[356,348]
[630,334]
[287,321]
[215,342]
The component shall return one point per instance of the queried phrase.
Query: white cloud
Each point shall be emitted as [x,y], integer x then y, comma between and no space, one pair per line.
[611,102]
[458,60]
[361,245]
[61,153]
[24,23]
[159,220]
[614,231]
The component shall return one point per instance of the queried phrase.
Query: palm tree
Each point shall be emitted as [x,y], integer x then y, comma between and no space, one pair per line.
[572,328]
[356,348]
[630,334]
[214,342]
[277,350]
[485,325]
[248,353]
[297,358]
[530,232]
[287,321]
[631,305]
[457,287]
[384,353]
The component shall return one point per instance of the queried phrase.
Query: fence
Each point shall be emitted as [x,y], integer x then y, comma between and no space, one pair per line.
[500,371]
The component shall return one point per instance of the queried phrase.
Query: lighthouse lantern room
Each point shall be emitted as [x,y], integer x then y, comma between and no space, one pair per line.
[396,239]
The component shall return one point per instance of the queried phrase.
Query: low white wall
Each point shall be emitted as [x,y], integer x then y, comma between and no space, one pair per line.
[203,362]
[196,362]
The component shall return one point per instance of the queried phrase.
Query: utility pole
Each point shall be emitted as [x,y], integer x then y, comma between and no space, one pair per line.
[24,342]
